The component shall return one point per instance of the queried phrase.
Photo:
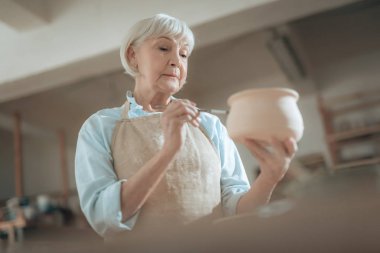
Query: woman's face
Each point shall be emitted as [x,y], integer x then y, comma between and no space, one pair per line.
[162,64]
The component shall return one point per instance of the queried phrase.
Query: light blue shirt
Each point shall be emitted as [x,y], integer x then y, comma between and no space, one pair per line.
[99,188]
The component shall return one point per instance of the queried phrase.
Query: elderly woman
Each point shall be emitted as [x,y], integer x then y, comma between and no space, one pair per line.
[157,159]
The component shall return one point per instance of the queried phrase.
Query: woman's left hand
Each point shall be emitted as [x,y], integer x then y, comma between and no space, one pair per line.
[274,162]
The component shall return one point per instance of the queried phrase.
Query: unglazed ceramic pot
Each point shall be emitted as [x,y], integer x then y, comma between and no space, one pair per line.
[262,113]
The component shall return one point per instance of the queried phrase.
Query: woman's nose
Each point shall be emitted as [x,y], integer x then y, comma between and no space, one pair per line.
[175,60]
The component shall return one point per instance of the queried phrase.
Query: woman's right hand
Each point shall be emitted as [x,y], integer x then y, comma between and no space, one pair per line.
[176,114]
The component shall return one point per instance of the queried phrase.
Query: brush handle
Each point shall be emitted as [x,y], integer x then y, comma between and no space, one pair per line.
[212,111]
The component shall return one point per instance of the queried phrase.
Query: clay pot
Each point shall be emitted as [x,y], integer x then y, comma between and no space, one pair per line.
[262,113]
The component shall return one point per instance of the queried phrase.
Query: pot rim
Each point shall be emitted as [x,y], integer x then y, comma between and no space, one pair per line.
[285,91]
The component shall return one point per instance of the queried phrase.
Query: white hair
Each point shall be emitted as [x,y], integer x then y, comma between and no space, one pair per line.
[156,26]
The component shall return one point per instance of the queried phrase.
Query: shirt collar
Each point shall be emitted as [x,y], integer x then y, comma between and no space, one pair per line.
[133,105]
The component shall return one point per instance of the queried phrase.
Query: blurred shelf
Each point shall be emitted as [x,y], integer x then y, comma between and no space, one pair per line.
[354,133]
[357,163]
[361,142]
[357,107]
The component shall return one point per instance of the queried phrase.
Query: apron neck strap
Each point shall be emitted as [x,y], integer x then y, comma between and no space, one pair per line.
[124,113]
[127,105]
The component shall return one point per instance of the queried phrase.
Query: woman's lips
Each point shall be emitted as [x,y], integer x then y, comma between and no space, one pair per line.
[169,75]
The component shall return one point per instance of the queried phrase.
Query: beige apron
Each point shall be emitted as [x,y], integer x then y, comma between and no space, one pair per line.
[190,188]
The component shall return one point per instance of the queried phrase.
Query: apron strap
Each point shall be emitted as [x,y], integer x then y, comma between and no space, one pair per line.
[124,113]
[127,105]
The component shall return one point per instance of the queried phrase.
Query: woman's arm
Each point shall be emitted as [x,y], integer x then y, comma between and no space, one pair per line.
[273,165]
[136,190]
[97,184]
[259,194]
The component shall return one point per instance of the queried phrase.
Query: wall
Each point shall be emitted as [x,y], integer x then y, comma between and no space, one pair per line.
[221,70]
[41,165]
[357,73]
[6,164]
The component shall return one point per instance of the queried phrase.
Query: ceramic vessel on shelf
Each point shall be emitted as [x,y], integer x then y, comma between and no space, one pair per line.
[264,112]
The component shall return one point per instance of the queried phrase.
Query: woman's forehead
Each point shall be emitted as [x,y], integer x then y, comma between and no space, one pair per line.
[180,41]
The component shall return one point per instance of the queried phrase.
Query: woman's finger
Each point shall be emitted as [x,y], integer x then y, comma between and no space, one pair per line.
[180,108]
[291,146]
[186,118]
[188,102]
[260,152]
[172,107]
[182,119]
[182,111]
[186,106]
[196,121]
[278,146]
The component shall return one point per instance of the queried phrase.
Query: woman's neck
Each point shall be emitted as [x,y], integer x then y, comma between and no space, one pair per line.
[150,100]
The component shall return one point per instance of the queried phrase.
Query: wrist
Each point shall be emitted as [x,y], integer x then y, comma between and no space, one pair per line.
[168,151]
[267,181]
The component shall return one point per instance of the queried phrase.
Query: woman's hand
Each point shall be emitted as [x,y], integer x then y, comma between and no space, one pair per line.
[274,162]
[174,117]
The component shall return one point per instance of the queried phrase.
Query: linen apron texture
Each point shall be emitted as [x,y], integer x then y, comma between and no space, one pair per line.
[190,188]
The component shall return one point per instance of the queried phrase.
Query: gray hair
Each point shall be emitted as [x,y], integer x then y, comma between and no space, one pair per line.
[156,26]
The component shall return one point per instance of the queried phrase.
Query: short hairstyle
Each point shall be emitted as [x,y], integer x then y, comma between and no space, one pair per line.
[156,26]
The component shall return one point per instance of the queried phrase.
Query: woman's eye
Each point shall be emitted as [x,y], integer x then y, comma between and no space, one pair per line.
[164,49]
[183,55]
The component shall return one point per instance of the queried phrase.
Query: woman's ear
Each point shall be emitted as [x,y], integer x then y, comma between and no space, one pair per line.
[130,55]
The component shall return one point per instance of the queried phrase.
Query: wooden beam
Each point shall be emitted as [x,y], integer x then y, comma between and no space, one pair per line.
[357,107]
[329,129]
[17,144]
[338,100]
[63,165]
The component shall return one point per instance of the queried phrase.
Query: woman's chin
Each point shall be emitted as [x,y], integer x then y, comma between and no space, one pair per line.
[171,88]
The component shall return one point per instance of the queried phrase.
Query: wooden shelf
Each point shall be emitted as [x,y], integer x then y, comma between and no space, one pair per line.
[355,141]
[344,107]
[339,100]
[354,133]
[361,106]
[357,163]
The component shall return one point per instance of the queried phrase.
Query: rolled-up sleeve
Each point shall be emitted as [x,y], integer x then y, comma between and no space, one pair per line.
[234,180]
[98,187]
